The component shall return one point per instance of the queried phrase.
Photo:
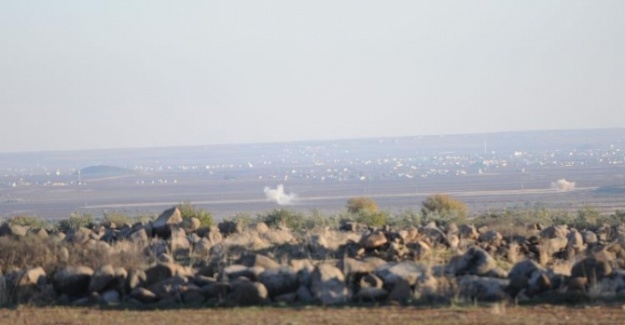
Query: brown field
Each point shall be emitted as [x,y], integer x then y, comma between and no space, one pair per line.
[493,314]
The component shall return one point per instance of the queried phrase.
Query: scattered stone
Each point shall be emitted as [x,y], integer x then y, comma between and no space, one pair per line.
[72,281]
[279,281]
[162,225]
[247,293]
[328,285]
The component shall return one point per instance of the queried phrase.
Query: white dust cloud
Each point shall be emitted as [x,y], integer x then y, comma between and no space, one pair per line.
[562,185]
[279,196]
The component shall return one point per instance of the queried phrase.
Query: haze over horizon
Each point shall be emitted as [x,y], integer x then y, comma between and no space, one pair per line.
[114,74]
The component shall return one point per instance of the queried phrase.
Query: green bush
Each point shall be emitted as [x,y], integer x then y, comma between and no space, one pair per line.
[444,208]
[187,211]
[284,217]
[405,219]
[118,218]
[359,205]
[30,221]
[75,221]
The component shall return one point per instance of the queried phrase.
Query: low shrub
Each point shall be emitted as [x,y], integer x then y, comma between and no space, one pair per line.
[75,221]
[188,210]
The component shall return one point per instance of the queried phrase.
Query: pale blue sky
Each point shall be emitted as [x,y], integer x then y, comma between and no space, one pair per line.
[81,74]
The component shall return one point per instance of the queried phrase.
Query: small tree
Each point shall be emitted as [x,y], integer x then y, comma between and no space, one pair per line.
[361,204]
[188,210]
[444,207]
[365,210]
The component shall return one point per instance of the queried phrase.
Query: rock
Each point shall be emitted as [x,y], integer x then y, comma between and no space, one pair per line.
[28,283]
[9,229]
[304,295]
[466,231]
[216,290]
[520,274]
[168,288]
[352,267]
[279,281]
[143,295]
[409,235]
[178,242]
[371,294]
[258,260]
[192,294]
[139,237]
[408,271]
[592,269]
[374,240]
[261,227]
[72,281]
[482,288]
[590,238]
[215,237]
[228,228]
[39,232]
[162,225]
[287,298]
[433,234]
[247,293]
[110,297]
[235,271]
[419,250]
[491,237]
[163,271]
[401,291]
[79,236]
[328,285]
[370,281]
[575,243]
[577,284]
[202,247]
[135,279]
[102,278]
[554,231]
[191,225]
[475,261]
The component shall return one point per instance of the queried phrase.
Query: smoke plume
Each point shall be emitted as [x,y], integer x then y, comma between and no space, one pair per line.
[277,195]
[562,185]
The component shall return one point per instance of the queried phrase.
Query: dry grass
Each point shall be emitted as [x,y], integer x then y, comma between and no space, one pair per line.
[490,314]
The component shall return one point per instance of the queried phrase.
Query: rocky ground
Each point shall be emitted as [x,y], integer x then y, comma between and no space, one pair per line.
[172,262]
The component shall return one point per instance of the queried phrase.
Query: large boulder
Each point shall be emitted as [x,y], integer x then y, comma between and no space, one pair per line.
[484,289]
[178,242]
[328,285]
[72,281]
[246,293]
[475,261]
[165,221]
[279,281]
[263,261]
[163,271]
[102,278]
[29,282]
[408,271]
[374,240]
[592,269]
[9,229]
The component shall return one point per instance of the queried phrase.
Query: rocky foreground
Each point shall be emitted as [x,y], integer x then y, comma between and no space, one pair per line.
[175,261]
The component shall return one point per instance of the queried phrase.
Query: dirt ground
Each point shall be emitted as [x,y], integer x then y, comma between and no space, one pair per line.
[494,314]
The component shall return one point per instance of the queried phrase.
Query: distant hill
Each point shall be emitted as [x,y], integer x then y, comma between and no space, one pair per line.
[105,170]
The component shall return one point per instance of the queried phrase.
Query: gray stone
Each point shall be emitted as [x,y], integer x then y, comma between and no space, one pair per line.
[279,281]
[72,280]
[328,285]
[163,224]
[247,293]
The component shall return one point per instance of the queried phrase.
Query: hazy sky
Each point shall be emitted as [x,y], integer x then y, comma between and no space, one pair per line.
[78,74]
